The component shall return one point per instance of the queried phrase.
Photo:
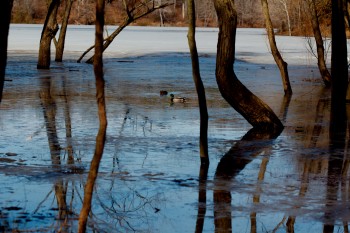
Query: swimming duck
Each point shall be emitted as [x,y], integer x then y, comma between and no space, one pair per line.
[177,99]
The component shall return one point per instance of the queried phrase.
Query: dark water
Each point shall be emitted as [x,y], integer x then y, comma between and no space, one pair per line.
[149,178]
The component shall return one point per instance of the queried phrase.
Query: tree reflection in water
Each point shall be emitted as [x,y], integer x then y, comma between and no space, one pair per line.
[202,196]
[243,152]
[49,109]
[312,165]
[334,168]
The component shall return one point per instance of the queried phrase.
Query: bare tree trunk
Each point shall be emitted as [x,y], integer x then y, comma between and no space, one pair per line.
[203,138]
[62,36]
[282,65]
[49,31]
[255,111]
[326,76]
[5,17]
[339,69]
[101,136]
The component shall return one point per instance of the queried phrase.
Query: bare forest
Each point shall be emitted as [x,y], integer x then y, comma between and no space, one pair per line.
[290,17]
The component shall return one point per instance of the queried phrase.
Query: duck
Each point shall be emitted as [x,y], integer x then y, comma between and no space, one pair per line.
[177,99]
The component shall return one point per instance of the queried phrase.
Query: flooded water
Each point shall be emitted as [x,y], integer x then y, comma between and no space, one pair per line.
[150,178]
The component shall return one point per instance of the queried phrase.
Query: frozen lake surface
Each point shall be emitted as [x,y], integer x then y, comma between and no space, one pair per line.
[149,178]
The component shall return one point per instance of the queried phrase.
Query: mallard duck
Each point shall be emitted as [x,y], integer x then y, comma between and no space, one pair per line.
[177,99]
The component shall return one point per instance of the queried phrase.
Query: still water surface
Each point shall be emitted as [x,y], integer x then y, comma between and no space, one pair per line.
[149,178]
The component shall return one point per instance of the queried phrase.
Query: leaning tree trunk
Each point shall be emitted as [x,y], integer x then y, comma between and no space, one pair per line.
[282,65]
[203,138]
[49,31]
[255,111]
[326,76]
[5,17]
[101,104]
[62,36]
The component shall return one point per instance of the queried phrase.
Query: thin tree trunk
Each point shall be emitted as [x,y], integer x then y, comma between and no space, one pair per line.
[101,136]
[49,31]
[255,111]
[326,76]
[203,138]
[282,65]
[5,17]
[62,36]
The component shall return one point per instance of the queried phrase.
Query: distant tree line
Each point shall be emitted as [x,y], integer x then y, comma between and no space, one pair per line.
[290,17]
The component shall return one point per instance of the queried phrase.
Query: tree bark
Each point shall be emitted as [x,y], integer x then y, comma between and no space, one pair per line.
[326,76]
[255,111]
[5,17]
[339,72]
[49,31]
[101,136]
[62,36]
[282,65]
[203,138]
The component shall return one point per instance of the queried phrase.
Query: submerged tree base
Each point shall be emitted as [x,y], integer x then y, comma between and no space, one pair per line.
[254,110]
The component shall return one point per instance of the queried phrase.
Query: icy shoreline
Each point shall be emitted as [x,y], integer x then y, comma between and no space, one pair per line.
[251,44]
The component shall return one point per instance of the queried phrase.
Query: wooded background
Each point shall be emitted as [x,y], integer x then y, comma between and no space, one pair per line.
[288,16]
